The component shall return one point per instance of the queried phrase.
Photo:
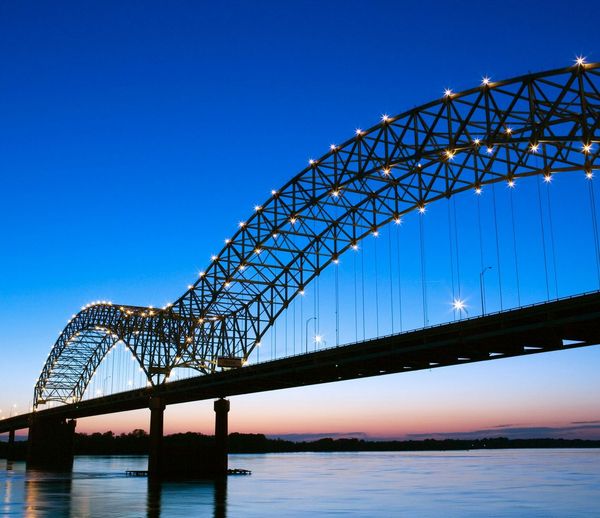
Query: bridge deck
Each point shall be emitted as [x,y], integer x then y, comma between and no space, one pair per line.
[558,325]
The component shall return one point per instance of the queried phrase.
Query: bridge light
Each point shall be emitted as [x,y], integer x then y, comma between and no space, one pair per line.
[312,162]
[227,241]
[190,286]
[586,148]
[447,92]
[386,171]
[354,246]
[450,154]
[511,183]
[201,274]
[580,61]
[358,132]
[257,251]
[189,339]
[375,233]
[275,235]
[274,192]
[385,118]
[477,141]
[293,220]
[336,260]
[589,174]
[508,130]
[257,208]
[201,321]
[421,208]
[534,148]
[398,220]
[333,147]
[214,257]
[241,267]
[335,193]
[318,339]
[459,305]
[478,189]
[485,80]
[490,150]
[242,224]
[547,177]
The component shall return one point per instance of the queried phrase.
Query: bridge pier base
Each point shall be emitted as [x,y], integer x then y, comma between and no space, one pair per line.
[221,436]
[50,444]
[10,447]
[155,452]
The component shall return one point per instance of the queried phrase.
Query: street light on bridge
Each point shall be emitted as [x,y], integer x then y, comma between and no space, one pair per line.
[306,334]
[482,288]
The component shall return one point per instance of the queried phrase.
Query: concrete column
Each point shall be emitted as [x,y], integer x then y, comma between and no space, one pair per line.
[50,444]
[10,450]
[155,453]
[221,435]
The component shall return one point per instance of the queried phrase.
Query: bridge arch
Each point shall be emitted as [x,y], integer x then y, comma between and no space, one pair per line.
[542,123]
[499,131]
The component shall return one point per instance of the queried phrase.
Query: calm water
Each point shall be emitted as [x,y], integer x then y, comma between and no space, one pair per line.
[500,483]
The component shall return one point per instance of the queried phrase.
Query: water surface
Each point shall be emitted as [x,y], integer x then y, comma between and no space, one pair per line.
[498,483]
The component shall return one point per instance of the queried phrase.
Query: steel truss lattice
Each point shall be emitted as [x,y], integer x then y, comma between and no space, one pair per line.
[541,123]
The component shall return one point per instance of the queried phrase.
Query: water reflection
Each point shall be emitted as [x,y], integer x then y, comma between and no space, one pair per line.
[500,483]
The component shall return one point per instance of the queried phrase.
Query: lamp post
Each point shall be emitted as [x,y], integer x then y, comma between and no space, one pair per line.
[306,334]
[482,288]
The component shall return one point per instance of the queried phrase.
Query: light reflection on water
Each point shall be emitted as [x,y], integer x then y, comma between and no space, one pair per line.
[499,483]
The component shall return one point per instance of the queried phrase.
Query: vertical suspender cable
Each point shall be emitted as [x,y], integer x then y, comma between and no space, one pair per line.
[423,270]
[362,285]
[286,331]
[337,305]
[553,249]
[391,278]
[537,181]
[456,247]
[514,236]
[497,246]
[302,337]
[481,263]
[399,279]
[594,226]
[450,242]
[376,289]
[356,300]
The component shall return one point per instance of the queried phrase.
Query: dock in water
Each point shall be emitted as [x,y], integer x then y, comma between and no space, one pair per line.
[143,473]
[136,473]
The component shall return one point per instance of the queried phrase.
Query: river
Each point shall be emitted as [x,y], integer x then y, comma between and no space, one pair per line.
[497,483]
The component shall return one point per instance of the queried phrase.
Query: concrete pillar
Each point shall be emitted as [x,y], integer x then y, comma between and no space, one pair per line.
[50,444]
[155,453]
[10,450]
[221,435]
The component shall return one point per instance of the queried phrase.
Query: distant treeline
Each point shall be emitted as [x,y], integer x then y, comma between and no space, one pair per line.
[136,442]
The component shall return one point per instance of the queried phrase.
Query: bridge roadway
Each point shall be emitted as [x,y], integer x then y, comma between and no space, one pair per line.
[551,326]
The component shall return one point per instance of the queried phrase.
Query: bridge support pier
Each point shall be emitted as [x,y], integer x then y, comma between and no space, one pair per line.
[10,448]
[155,453]
[221,436]
[50,444]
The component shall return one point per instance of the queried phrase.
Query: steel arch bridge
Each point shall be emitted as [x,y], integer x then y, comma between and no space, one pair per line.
[542,123]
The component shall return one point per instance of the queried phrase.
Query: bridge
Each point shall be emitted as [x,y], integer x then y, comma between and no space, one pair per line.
[528,129]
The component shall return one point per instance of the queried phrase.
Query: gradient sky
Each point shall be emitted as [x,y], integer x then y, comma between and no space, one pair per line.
[135,135]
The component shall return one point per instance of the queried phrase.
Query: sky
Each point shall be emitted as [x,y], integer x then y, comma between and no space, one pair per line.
[135,135]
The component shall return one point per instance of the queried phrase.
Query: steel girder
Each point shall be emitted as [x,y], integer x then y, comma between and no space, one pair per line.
[541,123]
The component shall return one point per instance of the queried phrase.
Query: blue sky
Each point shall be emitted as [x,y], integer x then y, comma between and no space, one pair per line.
[135,135]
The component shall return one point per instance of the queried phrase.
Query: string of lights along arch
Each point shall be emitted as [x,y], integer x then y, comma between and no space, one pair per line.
[538,124]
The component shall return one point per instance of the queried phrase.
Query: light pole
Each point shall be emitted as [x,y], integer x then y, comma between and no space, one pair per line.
[306,335]
[482,288]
